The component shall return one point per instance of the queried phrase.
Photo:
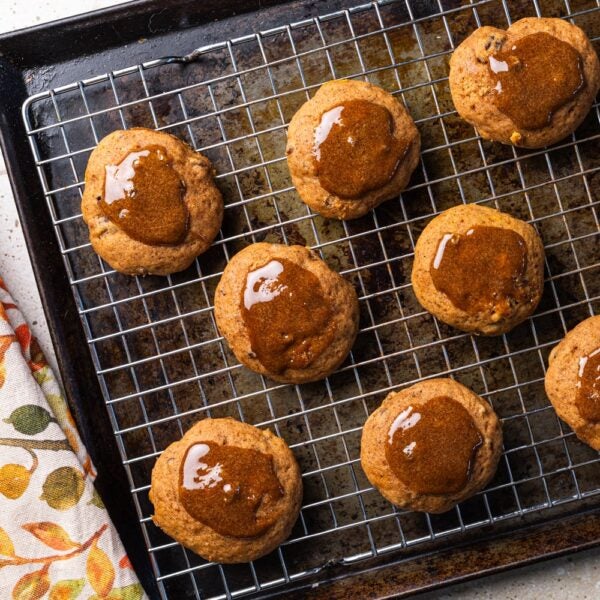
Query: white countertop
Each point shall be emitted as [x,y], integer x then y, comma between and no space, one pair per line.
[573,577]
[15,266]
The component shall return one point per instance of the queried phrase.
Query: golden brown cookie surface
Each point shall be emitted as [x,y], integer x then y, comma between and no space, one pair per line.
[227,490]
[573,380]
[351,147]
[478,269]
[285,314]
[530,85]
[430,446]
[150,202]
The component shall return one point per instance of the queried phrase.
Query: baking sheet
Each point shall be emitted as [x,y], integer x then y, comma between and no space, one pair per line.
[160,362]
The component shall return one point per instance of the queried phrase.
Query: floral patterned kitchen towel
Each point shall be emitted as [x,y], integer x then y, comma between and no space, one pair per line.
[56,539]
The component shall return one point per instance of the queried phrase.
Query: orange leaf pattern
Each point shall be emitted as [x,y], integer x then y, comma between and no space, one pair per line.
[51,534]
[30,347]
[6,546]
[129,592]
[68,589]
[56,541]
[24,336]
[5,343]
[32,585]
[14,480]
[99,571]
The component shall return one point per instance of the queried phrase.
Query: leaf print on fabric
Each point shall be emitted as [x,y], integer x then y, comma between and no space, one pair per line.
[96,500]
[37,360]
[67,589]
[125,563]
[63,488]
[51,534]
[31,445]
[5,343]
[6,546]
[32,585]
[72,439]
[60,409]
[48,560]
[23,334]
[14,480]
[43,375]
[99,571]
[30,419]
[129,592]
[30,347]
[46,543]
[65,419]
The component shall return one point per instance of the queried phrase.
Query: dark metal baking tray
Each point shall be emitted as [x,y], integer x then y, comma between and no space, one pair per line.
[233,101]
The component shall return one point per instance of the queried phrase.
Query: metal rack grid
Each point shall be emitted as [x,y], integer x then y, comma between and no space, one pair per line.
[159,358]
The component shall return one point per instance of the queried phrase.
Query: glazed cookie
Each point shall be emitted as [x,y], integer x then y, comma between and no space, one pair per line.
[478,269]
[530,85]
[351,147]
[573,380]
[150,202]
[285,313]
[227,490]
[431,445]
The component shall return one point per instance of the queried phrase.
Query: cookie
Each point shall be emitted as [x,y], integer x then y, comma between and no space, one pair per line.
[573,380]
[530,85]
[285,313]
[227,490]
[431,446]
[478,269]
[351,147]
[150,202]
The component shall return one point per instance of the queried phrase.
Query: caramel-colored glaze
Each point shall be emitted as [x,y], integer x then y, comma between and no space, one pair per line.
[482,271]
[230,489]
[287,315]
[534,77]
[432,448]
[355,150]
[143,195]
[588,387]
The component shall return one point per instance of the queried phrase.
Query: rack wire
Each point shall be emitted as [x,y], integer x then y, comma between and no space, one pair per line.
[160,360]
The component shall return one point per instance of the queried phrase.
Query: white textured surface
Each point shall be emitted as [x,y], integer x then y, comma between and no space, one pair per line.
[15,266]
[16,14]
[574,577]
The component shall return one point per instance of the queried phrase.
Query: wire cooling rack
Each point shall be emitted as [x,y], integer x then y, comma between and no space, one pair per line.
[160,360]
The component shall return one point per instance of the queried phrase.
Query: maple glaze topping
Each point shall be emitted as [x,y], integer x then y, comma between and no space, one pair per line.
[431,448]
[588,386]
[232,490]
[482,270]
[143,195]
[355,150]
[534,77]
[287,315]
